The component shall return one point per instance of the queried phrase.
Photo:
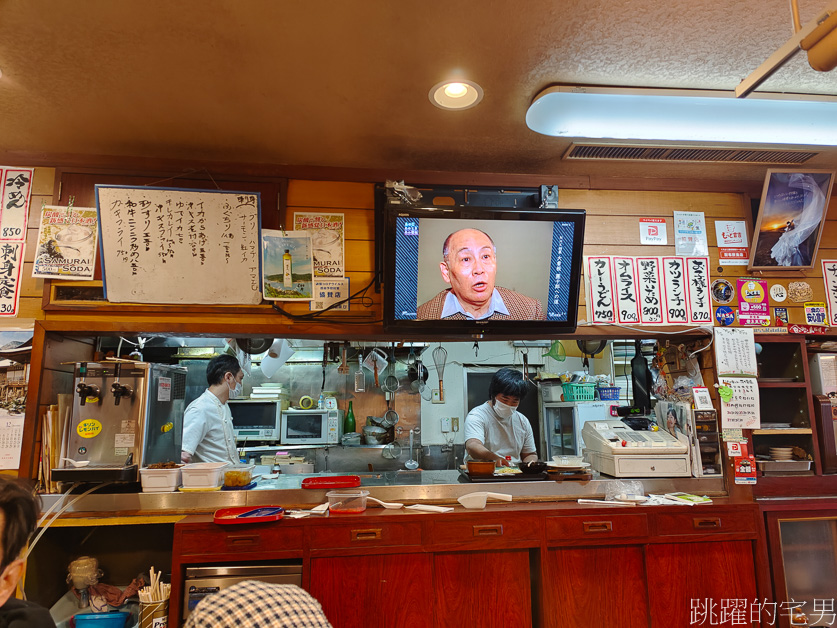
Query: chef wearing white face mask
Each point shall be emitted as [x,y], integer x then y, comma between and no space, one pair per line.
[208,434]
[496,429]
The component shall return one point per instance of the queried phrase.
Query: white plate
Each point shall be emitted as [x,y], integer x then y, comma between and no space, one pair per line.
[577,465]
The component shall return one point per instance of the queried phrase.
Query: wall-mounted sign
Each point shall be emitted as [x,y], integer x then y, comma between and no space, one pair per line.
[724,315]
[781,315]
[731,236]
[829,277]
[778,292]
[800,291]
[816,314]
[753,304]
[806,329]
[690,234]
[653,231]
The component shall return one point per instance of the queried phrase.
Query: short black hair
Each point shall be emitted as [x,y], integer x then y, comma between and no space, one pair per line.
[508,382]
[219,366]
[20,516]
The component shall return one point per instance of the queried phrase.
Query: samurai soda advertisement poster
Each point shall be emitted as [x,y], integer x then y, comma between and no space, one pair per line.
[287,265]
[67,242]
[327,238]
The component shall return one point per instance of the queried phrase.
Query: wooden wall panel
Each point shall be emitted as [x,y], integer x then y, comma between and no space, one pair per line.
[332,194]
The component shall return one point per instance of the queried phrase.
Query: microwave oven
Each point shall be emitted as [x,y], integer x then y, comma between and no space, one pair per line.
[318,426]
[255,419]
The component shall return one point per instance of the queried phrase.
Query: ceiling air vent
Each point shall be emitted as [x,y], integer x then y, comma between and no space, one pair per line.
[624,152]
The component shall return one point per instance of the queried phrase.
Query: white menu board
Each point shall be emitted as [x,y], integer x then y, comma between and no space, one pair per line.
[829,276]
[171,245]
[624,275]
[599,286]
[674,276]
[697,275]
[650,295]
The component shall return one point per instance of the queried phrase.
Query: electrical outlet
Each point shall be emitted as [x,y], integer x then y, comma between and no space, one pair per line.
[445,425]
[435,396]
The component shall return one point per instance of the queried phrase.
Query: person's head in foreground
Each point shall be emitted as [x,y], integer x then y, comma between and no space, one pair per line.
[258,604]
[18,516]
[469,265]
[505,391]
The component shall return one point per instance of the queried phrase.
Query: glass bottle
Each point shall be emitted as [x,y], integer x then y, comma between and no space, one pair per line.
[349,421]
[287,278]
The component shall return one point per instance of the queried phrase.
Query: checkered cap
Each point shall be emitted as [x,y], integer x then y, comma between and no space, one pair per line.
[254,604]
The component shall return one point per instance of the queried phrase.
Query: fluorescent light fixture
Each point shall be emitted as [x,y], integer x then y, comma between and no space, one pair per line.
[456,94]
[683,115]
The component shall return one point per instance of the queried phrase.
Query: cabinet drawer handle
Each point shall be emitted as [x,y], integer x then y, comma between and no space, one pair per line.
[598,526]
[708,522]
[238,541]
[490,530]
[373,534]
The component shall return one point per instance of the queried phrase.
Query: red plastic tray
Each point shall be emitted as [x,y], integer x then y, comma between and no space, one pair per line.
[233,516]
[333,481]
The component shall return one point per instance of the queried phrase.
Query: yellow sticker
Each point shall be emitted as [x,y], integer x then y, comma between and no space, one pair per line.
[167,427]
[91,400]
[89,428]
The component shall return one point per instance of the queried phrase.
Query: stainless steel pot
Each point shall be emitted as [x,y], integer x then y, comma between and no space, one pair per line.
[374,435]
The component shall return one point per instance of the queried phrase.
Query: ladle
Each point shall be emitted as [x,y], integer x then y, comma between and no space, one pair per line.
[411,464]
[390,505]
[77,463]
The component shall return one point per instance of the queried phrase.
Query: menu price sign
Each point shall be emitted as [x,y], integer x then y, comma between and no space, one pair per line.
[11,266]
[16,193]
[648,286]
[697,274]
[599,280]
[829,276]
[674,275]
[627,310]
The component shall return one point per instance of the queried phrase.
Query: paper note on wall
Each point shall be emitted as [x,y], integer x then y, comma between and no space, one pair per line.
[697,276]
[741,410]
[16,193]
[829,276]
[649,292]
[168,245]
[624,277]
[735,351]
[674,277]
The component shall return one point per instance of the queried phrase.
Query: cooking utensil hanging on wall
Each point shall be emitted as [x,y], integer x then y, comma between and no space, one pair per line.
[390,384]
[440,359]
[390,416]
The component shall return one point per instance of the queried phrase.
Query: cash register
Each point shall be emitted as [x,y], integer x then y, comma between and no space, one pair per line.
[612,447]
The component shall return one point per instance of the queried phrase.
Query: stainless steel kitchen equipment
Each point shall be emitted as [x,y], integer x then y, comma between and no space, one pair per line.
[203,581]
[124,415]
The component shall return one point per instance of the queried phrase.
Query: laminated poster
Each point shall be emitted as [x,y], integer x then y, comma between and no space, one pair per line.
[327,241]
[739,402]
[17,190]
[287,265]
[753,303]
[690,234]
[67,242]
[328,292]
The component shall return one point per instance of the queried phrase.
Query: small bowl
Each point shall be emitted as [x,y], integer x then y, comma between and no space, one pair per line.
[480,468]
[532,468]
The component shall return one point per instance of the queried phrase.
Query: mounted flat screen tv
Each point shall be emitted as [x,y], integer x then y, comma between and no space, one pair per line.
[482,270]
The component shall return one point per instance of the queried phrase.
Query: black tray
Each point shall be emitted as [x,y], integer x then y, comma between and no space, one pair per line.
[506,477]
[95,473]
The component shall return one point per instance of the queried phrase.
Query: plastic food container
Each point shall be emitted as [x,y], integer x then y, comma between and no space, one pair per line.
[202,474]
[115,619]
[551,391]
[238,475]
[160,480]
[480,468]
[346,502]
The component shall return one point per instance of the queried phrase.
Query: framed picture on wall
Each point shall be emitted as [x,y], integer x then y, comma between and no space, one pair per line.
[790,219]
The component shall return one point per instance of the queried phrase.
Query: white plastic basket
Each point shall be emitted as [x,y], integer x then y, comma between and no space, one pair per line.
[160,480]
[202,474]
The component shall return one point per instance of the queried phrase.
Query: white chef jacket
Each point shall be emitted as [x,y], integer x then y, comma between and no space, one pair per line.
[505,437]
[208,430]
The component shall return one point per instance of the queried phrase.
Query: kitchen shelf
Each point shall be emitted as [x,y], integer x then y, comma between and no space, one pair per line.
[769,384]
[785,430]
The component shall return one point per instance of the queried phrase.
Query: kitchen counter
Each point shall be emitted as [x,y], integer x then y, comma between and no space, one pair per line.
[435,487]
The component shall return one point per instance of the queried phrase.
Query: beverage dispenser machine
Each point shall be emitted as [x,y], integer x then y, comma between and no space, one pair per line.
[125,414]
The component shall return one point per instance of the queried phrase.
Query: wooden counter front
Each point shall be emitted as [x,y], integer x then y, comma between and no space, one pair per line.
[555,564]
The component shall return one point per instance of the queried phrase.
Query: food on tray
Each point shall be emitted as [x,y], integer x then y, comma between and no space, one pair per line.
[237,477]
[505,470]
[163,465]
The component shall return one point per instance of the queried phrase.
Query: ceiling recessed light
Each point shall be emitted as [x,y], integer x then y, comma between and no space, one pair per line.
[458,94]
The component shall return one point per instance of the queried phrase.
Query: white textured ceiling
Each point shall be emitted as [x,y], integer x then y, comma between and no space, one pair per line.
[344,83]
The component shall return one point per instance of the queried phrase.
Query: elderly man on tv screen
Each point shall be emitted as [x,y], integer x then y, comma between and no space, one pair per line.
[469,265]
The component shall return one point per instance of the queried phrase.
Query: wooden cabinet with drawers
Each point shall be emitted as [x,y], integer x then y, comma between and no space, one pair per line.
[519,564]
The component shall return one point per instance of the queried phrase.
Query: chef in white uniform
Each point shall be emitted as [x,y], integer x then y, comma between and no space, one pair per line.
[208,434]
[496,429]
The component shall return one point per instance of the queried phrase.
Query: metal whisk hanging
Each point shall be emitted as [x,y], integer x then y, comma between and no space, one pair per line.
[440,358]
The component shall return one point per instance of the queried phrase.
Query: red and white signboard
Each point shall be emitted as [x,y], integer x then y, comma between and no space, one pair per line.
[731,236]
[653,231]
[806,329]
